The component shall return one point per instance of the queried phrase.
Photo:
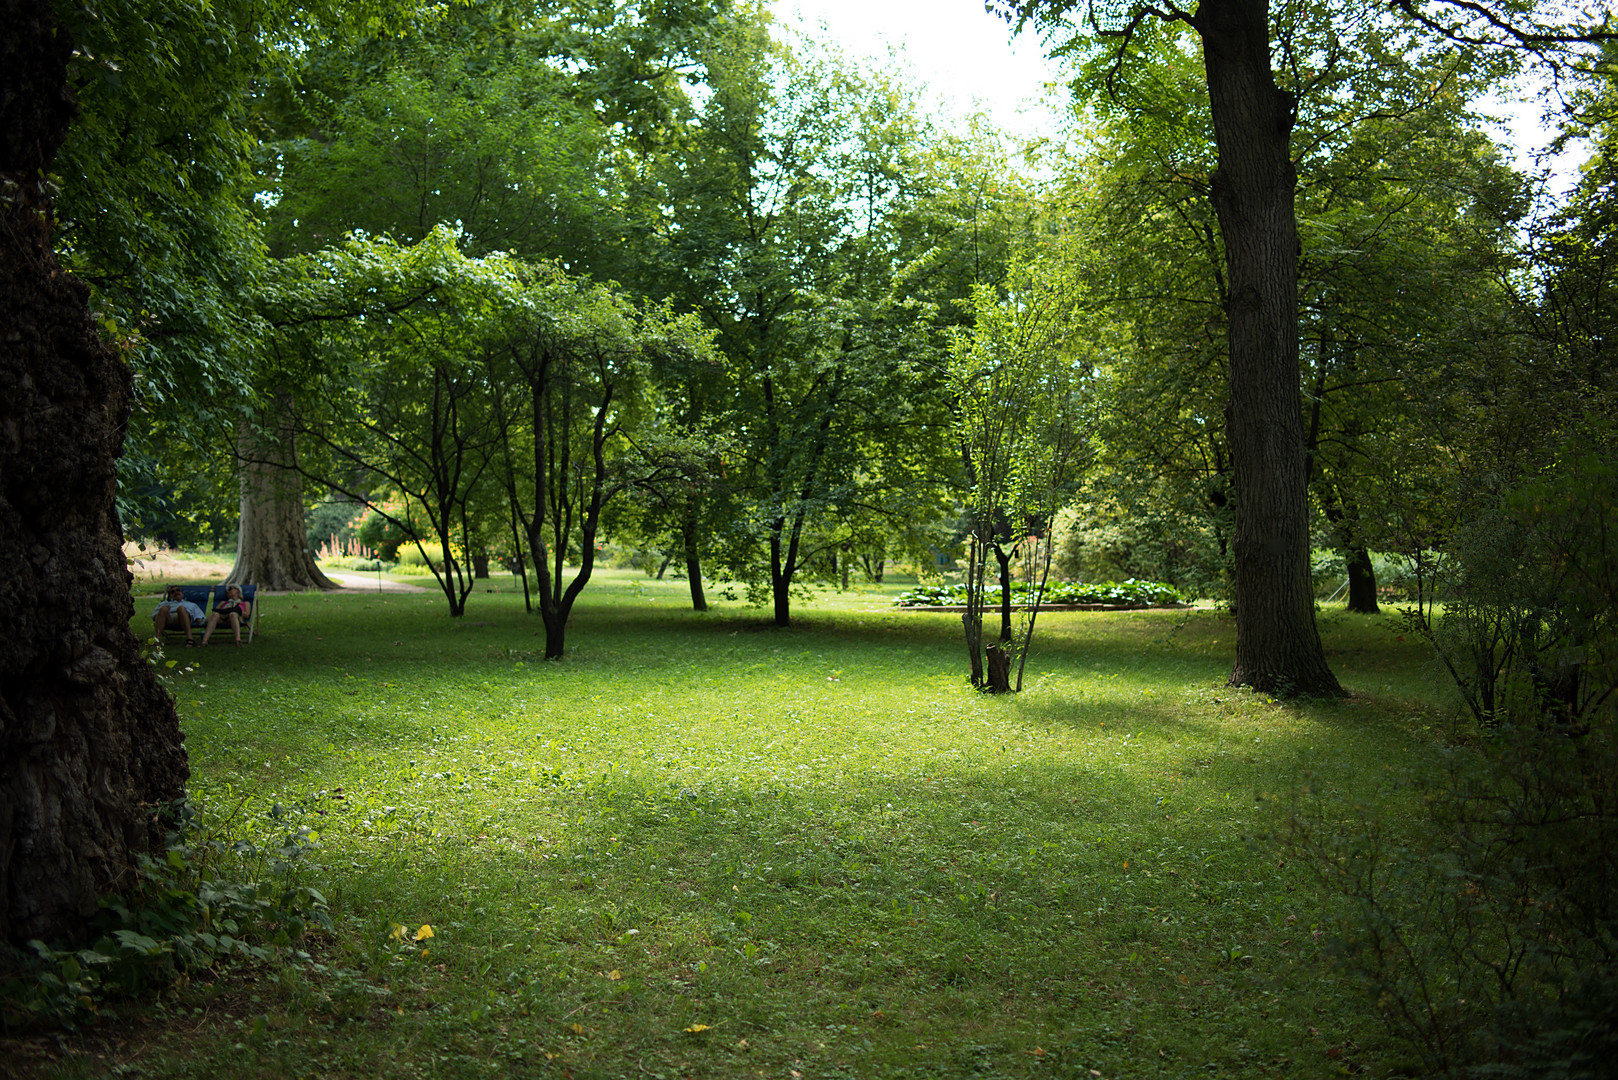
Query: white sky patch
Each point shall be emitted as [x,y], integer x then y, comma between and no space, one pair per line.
[965,57]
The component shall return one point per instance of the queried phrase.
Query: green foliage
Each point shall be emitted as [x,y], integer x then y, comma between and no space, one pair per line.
[1129,593]
[1484,936]
[216,898]
[1102,538]
[332,519]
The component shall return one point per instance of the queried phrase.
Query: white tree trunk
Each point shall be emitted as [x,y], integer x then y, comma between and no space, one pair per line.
[272,548]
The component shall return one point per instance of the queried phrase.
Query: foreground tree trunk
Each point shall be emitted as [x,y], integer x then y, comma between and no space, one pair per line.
[1278,648]
[90,746]
[272,547]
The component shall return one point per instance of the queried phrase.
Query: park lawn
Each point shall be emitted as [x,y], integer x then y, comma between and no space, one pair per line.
[700,846]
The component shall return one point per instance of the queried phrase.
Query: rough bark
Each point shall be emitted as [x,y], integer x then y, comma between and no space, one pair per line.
[90,746]
[1278,648]
[272,547]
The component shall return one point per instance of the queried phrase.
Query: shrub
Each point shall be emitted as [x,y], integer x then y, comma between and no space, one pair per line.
[1485,933]
[1129,593]
[212,899]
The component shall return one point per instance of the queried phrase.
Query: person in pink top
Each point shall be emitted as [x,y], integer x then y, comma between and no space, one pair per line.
[232,609]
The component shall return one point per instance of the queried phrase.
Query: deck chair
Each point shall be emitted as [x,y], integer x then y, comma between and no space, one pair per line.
[198,595]
[250,594]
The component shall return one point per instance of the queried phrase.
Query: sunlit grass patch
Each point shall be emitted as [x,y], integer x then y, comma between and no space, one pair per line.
[701,846]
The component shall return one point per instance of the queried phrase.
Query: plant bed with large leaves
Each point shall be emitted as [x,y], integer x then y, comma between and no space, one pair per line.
[1102,595]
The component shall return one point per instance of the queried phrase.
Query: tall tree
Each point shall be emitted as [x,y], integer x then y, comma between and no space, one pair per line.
[90,746]
[1253,192]
[785,194]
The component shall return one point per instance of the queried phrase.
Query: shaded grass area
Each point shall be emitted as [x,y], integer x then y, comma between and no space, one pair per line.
[703,847]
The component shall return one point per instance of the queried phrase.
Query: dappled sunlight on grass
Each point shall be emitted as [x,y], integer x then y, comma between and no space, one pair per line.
[817,847]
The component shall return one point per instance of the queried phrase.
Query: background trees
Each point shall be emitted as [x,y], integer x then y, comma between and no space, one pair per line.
[787,196]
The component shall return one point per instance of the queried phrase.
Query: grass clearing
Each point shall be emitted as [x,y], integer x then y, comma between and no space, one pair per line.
[703,847]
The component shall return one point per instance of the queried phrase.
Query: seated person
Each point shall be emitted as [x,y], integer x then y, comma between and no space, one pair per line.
[177,612]
[232,609]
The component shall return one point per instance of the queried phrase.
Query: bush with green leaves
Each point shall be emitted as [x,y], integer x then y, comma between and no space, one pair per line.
[1129,593]
[211,899]
[1486,935]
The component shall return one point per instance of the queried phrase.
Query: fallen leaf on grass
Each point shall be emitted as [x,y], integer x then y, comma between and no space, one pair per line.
[697,1029]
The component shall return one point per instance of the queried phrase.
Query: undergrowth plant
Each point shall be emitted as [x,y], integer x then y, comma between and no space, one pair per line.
[214,898]
[1484,926]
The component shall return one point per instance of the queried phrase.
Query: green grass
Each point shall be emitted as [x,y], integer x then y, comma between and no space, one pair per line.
[819,843]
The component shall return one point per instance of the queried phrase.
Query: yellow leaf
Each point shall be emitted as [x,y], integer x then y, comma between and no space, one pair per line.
[614,975]
[398,932]
[424,933]
[578,1029]
[696,1029]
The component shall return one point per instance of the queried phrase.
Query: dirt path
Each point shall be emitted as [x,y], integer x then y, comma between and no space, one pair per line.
[352,582]
[150,566]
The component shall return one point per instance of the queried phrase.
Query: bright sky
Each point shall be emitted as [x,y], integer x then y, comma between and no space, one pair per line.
[967,58]
[963,55]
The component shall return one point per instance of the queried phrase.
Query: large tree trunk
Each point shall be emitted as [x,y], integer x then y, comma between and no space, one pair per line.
[90,746]
[1278,648]
[272,549]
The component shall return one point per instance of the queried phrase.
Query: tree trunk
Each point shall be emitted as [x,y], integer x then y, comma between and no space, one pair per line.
[780,592]
[1278,648]
[90,746]
[693,565]
[555,631]
[1002,560]
[272,545]
[1361,582]
[999,658]
[480,565]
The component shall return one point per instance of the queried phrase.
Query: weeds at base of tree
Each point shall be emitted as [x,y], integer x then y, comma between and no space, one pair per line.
[210,902]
